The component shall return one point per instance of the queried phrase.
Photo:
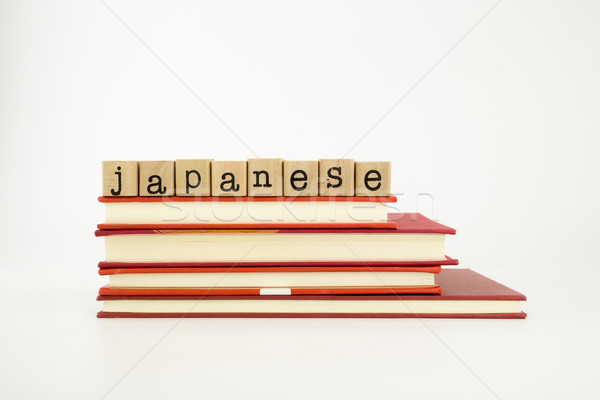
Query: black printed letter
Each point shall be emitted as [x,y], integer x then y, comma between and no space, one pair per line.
[189,186]
[339,171]
[257,175]
[369,179]
[118,191]
[294,179]
[232,186]
[158,185]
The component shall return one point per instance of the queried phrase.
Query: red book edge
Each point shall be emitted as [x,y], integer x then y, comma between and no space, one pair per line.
[345,225]
[405,223]
[155,199]
[241,269]
[244,264]
[254,291]
[104,314]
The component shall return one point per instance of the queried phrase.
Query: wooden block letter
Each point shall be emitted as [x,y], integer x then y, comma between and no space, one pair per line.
[300,178]
[265,177]
[372,178]
[229,178]
[157,178]
[336,177]
[119,178]
[192,177]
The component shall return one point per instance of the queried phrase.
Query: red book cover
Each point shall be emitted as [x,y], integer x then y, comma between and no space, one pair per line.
[286,269]
[403,223]
[156,199]
[254,291]
[337,225]
[456,284]
[244,264]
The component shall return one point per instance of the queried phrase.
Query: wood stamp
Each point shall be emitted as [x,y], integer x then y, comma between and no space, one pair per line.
[265,177]
[157,178]
[192,177]
[336,177]
[300,178]
[372,178]
[229,178]
[119,178]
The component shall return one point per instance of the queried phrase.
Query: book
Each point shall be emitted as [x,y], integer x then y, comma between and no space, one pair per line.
[465,294]
[243,263]
[415,238]
[255,291]
[282,280]
[246,212]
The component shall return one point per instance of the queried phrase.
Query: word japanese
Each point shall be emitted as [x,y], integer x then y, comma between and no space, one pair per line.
[255,177]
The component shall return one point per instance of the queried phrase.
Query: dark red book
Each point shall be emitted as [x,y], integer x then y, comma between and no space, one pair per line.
[254,291]
[245,264]
[403,223]
[416,240]
[214,281]
[466,294]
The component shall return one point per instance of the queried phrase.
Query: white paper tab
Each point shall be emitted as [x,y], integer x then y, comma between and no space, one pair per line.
[275,291]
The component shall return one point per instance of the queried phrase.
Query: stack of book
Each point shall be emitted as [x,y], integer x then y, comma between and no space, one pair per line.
[282,256]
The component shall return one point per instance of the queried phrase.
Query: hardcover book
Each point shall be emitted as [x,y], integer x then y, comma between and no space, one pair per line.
[243,263]
[466,294]
[284,280]
[246,212]
[415,239]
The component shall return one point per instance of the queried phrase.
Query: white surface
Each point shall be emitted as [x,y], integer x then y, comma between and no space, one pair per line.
[275,291]
[503,133]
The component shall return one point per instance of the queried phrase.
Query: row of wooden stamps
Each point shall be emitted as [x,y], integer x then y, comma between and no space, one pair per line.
[254,177]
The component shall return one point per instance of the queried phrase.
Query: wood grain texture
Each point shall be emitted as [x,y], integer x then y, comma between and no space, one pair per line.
[372,178]
[119,178]
[265,177]
[336,177]
[300,178]
[157,178]
[192,177]
[229,178]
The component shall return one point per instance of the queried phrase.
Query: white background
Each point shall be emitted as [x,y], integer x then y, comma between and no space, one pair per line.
[501,128]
